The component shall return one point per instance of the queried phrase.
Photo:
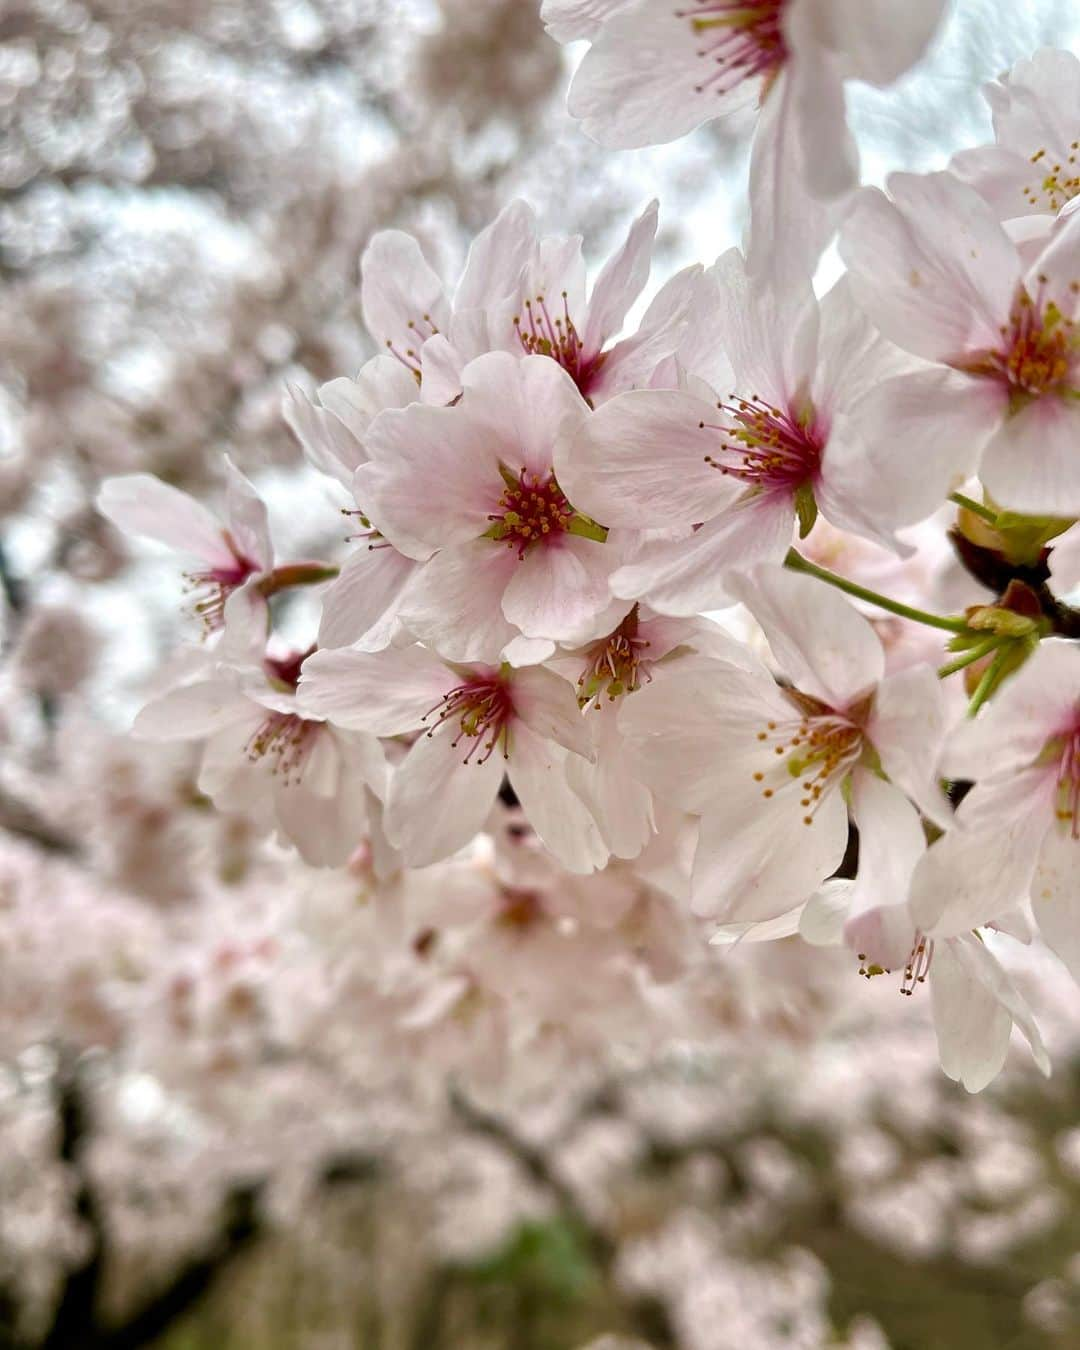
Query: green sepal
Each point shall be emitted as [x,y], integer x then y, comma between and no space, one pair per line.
[806,509]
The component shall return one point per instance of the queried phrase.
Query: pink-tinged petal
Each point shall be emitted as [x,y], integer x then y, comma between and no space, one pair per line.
[249,524]
[993,977]
[621,807]
[1055,268]
[139,503]
[1002,177]
[691,731]
[454,602]
[907,727]
[384,693]
[686,576]
[442,365]
[852,356]
[1010,732]
[191,712]
[906,444]
[402,298]
[569,20]
[640,460]
[891,842]
[547,705]
[933,268]
[523,651]
[325,813]
[362,605]
[768,328]
[755,860]
[633,363]
[381,383]
[818,639]
[768,930]
[328,444]
[972,1026]
[621,281]
[983,866]
[537,774]
[1065,562]
[433,479]
[794,171]
[525,405]
[638,83]
[821,921]
[555,590]
[246,627]
[437,803]
[879,41]
[1055,896]
[1032,464]
[497,257]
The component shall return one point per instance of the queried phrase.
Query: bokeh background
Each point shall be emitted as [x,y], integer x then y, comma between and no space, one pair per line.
[185,189]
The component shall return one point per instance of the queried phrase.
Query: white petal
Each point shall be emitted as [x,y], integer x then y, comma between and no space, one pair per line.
[818,639]
[621,281]
[385,693]
[192,711]
[248,521]
[972,1026]
[821,922]
[547,705]
[1031,464]
[891,841]
[401,296]
[1055,896]
[139,503]
[907,729]
[454,602]
[558,815]
[497,257]
[362,605]
[878,40]
[437,803]
[556,589]
[568,20]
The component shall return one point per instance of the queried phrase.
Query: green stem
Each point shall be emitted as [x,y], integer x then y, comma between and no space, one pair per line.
[797,563]
[969,657]
[297,574]
[976,508]
[988,683]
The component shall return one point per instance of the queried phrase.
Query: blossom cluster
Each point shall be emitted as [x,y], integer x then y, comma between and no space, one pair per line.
[575,580]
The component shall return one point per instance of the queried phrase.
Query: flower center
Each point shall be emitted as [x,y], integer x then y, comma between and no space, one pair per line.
[740,39]
[613,664]
[766,447]
[1060,183]
[213,587]
[1068,783]
[482,709]
[558,337]
[1037,351]
[813,752]
[530,511]
[286,740]
[285,670]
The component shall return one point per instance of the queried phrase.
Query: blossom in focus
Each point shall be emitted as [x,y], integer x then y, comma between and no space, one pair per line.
[1017,832]
[362,605]
[268,757]
[723,481]
[773,769]
[936,271]
[477,723]
[471,490]
[233,558]
[524,294]
[1034,166]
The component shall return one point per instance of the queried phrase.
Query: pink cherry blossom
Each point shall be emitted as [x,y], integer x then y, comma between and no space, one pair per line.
[524,294]
[478,722]
[935,270]
[471,491]
[233,558]
[1017,832]
[1034,167]
[270,758]
[723,484]
[771,770]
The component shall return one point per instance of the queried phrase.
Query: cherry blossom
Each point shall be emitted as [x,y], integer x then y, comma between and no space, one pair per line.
[362,605]
[1017,832]
[975,1003]
[479,722]
[771,770]
[731,477]
[269,757]
[524,294]
[935,270]
[233,558]
[471,490]
[1034,167]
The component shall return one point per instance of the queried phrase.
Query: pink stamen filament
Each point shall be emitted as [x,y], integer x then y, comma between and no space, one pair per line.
[214,585]
[743,39]
[614,664]
[410,357]
[559,339]
[287,740]
[766,447]
[482,709]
